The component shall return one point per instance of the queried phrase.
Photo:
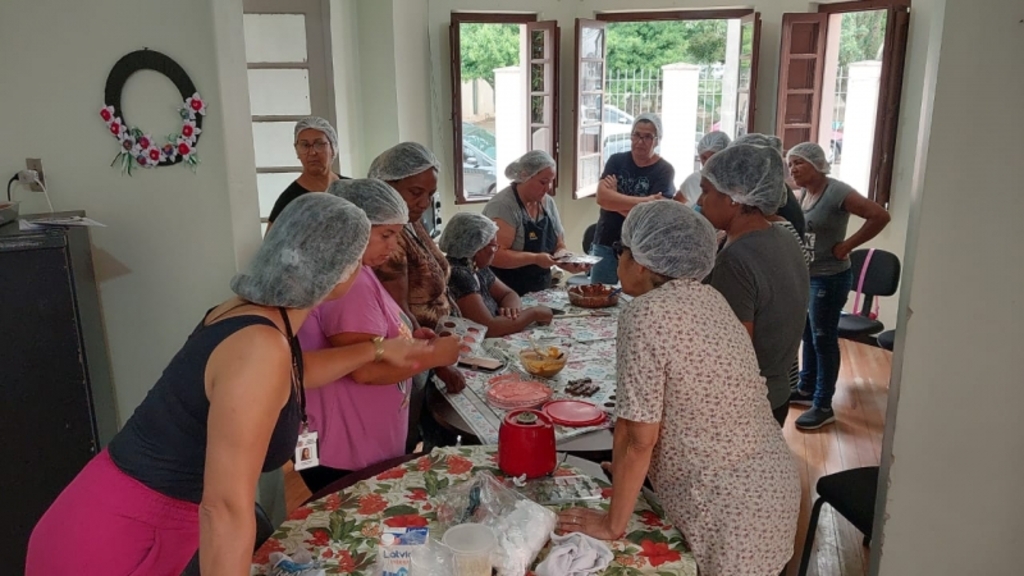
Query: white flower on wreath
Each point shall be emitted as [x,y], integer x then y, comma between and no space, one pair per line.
[189,131]
[169,151]
[195,105]
[143,143]
[117,128]
[153,154]
[185,148]
[108,114]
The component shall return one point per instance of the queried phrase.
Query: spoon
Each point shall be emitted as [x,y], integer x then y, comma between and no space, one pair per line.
[614,293]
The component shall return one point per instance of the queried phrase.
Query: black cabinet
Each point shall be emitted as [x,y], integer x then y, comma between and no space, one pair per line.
[57,406]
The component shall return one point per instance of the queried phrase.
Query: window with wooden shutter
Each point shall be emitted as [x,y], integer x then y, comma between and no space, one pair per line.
[590,63]
[746,89]
[801,68]
[542,88]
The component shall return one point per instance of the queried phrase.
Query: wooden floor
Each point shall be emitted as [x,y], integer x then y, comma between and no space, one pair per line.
[854,440]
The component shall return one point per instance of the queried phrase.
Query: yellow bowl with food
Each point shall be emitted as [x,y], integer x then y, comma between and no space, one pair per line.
[547,364]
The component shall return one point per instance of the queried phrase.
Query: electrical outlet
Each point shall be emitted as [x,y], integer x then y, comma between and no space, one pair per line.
[37,165]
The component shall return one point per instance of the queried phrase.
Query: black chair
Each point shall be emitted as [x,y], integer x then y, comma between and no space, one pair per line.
[882,278]
[852,494]
[264,530]
[887,339]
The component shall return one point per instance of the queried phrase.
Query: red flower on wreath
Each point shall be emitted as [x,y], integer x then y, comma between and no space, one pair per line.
[117,127]
[185,148]
[407,521]
[458,465]
[393,474]
[107,113]
[195,105]
[154,154]
[658,553]
[371,504]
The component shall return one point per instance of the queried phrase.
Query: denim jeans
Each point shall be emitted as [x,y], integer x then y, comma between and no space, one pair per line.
[607,270]
[820,368]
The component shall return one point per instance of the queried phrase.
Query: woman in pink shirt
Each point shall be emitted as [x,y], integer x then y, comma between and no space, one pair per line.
[363,418]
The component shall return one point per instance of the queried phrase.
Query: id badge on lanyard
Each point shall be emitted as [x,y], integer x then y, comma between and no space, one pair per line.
[307,450]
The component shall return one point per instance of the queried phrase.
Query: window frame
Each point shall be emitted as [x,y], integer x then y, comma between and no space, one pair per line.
[318,64]
[457,19]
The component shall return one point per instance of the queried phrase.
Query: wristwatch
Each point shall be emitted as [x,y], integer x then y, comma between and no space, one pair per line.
[378,348]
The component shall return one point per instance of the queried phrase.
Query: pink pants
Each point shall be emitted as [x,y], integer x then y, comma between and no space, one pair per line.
[107,523]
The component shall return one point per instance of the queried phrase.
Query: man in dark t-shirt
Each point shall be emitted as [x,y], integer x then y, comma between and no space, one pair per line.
[629,178]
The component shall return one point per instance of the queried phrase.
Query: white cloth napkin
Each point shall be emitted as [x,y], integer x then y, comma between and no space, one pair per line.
[575,555]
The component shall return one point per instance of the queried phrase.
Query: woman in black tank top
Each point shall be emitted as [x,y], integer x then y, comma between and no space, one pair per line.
[182,472]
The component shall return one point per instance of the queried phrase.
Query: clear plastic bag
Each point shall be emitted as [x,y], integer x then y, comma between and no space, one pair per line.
[522,527]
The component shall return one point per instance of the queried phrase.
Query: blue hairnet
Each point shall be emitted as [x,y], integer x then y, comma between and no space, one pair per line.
[466,233]
[528,165]
[318,123]
[813,154]
[381,203]
[316,243]
[653,119]
[670,239]
[713,142]
[401,161]
[750,175]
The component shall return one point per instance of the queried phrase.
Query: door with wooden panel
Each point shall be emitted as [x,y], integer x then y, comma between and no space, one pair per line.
[801,70]
[590,71]
[746,88]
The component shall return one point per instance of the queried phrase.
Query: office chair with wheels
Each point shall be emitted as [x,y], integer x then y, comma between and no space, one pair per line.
[875,273]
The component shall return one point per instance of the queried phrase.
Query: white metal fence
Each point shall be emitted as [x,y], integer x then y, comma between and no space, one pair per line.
[637,92]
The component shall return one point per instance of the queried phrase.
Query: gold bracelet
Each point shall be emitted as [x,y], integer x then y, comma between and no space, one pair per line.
[378,348]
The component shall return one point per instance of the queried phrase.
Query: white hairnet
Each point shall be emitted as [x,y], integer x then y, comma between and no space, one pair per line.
[316,243]
[466,233]
[318,123]
[670,238]
[763,140]
[653,119]
[750,175]
[382,204]
[713,142]
[813,154]
[401,161]
[528,165]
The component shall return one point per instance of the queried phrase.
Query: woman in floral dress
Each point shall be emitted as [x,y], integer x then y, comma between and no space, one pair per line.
[692,411]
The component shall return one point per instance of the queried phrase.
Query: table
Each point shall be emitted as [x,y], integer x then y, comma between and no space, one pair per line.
[342,529]
[590,343]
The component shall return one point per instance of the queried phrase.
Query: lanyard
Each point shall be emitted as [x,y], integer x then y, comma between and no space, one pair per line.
[297,368]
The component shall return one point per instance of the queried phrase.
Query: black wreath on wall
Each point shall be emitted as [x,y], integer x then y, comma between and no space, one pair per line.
[139,149]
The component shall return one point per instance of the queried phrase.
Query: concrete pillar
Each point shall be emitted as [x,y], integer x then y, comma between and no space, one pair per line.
[509,119]
[680,83]
[859,124]
[731,77]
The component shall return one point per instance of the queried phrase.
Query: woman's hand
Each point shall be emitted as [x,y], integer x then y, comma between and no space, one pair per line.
[542,315]
[404,353]
[544,260]
[454,381]
[446,350]
[424,334]
[510,313]
[590,522]
[841,251]
[574,268]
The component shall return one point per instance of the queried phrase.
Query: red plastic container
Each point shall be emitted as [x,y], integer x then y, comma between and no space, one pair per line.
[526,444]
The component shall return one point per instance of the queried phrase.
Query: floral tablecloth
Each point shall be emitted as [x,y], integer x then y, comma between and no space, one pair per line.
[342,530]
[590,343]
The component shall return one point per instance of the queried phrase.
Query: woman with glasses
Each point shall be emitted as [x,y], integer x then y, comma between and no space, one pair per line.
[692,410]
[470,242]
[629,179]
[316,145]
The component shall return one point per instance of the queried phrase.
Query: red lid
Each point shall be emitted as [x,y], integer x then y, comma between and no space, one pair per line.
[574,413]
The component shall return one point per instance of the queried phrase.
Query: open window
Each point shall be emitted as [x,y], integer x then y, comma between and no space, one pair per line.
[682,65]
[840,83]
[504,96]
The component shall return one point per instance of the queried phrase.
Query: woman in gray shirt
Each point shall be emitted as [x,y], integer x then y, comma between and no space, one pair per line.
[761,269]
[827,205]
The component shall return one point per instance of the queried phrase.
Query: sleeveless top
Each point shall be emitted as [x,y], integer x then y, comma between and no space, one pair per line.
[163,444]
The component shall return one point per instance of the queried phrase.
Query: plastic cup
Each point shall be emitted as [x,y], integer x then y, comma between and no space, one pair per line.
[471,545]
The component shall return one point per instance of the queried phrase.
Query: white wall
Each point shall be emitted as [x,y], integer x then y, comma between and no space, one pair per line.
[953,504]
[174,238]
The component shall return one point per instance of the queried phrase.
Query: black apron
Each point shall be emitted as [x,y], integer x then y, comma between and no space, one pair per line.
[537,238]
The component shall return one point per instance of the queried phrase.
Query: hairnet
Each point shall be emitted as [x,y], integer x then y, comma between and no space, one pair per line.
[466,233]
[763,140]
[670,238]
[318,123]
[381,203]
[653,119]
[813,154]
[750,175]
[316,242]
[401,161]
[528,165]
[713,142]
